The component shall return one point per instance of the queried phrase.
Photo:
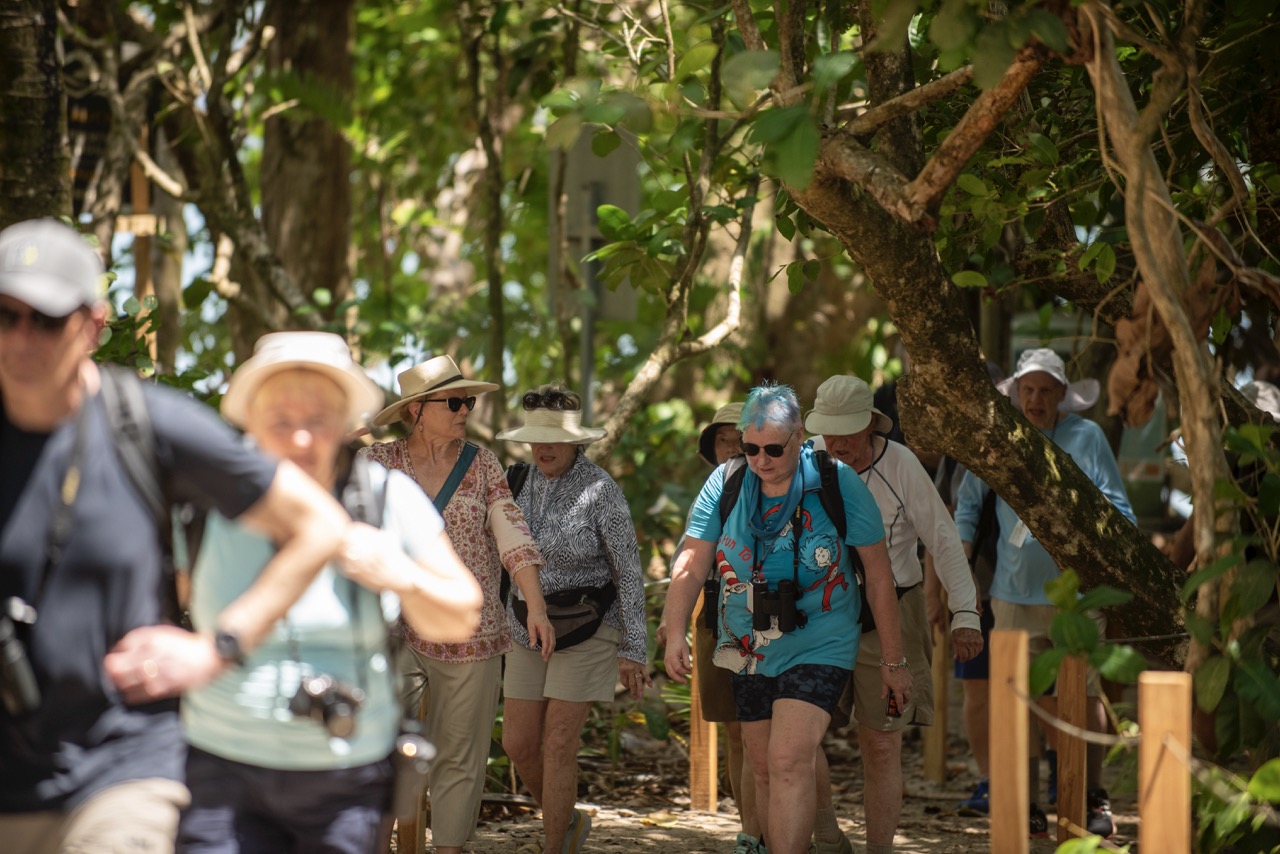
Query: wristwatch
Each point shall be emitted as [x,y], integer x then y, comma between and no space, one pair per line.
[227,645]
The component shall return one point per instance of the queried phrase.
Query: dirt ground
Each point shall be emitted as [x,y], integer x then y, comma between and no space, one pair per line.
[644,803]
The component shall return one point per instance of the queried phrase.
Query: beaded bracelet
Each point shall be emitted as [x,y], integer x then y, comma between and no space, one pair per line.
[901,665]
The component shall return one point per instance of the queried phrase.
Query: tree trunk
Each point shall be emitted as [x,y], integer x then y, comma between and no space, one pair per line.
[35,177]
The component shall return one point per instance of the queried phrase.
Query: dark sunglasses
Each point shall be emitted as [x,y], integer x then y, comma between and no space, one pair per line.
[40,322]
[554,400]
[456,403]
[775,451]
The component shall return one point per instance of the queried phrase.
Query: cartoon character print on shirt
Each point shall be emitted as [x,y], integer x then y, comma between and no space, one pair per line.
[824,553]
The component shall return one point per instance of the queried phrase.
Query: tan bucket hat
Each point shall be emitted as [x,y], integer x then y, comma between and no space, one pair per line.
[844,406]
[433,375]
[729,414]
[553,427]
[322,352]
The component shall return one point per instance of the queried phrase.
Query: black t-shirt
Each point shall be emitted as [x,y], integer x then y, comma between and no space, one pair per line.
[109,581]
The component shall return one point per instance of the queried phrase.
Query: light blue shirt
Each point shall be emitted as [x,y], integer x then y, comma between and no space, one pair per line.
[336,628]
[1023,570]
[830,598]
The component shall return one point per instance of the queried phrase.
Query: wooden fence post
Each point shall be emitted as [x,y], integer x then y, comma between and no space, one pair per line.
[1073,708]
[1010,800]
[935,737]
[704,760]
[1164,781]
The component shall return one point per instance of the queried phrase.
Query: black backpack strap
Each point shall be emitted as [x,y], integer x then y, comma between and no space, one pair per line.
[517,474]
[832,500]
[734,471]
[988,524]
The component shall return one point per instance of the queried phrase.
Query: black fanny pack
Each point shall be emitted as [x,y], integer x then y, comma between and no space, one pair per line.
[575,614]
[868,620]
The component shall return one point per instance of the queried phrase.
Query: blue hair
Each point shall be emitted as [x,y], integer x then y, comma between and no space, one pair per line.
[771,403]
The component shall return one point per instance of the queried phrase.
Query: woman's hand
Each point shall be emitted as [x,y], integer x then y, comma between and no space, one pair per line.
[634,676]
[679,666]
[540,629]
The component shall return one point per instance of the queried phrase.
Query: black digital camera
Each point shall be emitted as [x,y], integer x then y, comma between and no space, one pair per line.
[780,603]
[710,603]
[18,689]
[411,759]
[330,702]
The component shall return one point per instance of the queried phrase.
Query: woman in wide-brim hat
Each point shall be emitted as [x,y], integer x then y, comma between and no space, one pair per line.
[583,527]
[297,397]
[469,487]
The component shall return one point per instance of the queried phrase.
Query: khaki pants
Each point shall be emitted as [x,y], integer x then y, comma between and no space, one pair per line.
[128,818]
[461,706]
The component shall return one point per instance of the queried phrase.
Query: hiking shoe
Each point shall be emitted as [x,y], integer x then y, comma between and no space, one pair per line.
[1039,823]
[576,836]
[747,844]
[979,803]
[843,846]
[1098,820]
[1051,756]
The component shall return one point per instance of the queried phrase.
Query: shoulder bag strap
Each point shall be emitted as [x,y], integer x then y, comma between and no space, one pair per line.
[468,454]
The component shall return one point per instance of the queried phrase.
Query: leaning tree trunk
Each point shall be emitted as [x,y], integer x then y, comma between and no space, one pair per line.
[35,172]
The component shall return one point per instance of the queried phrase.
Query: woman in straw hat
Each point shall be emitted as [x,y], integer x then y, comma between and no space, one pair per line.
[290,750]
[584,529]
[462,679]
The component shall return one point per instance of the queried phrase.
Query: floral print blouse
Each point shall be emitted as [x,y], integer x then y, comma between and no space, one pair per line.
[488,533]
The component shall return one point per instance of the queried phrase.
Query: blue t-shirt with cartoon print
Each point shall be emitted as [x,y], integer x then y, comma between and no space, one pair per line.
[830,598]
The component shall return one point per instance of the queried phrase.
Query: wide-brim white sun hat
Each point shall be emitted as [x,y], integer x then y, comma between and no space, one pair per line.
[1081,394]
[322,352]
[553,427]
[433,375]
[844,406]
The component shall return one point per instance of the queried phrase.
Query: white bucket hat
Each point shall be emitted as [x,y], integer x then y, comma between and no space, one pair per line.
[553,427]
[322,352]
[433,375]
[1080,395]
[728,415]
[844,406]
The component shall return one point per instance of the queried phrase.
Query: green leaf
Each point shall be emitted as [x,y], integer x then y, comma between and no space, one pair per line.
[1269,495]
[786,226]
[695,59]
[1043,149]
[1076,632]
[893,21]
[1256,684]
[746,73]
[776,125]
[1044,670]
[1118,662]
[973,185]
[969,279]
[1211,680]
[322,297]
[1220,326]
[1063,590]
[1102,597]
[1049,28]
[1106,264]
[1210,572]
[830,68]
[1265,785]
[131,306]
[812,269]
[1252,588]
[194,294]
[954,25]
[795,277]
[604,142]
[1080,845]
[614,223]
[992,55]
[796,155]
[1090,253]
[564,131]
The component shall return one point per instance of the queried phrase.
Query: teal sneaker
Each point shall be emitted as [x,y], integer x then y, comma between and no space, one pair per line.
[576,836]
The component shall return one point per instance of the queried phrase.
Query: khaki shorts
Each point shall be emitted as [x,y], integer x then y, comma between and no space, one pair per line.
[586,673]
[714,688]
[1035,620]
[862,703]
[136,815]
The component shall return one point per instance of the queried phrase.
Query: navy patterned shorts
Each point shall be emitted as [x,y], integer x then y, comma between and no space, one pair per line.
[819,684]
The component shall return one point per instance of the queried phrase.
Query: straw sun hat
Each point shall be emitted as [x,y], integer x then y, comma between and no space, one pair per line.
[553,427]
[434,375]
[322,352]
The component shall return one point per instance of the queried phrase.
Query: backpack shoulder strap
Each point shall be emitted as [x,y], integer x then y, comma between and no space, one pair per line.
[832,500]
[734,471]
[135,441]
[517,474]
[988,524]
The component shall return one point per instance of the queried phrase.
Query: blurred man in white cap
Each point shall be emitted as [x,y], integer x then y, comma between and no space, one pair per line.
[88,765]
[1040,390]
[852,430]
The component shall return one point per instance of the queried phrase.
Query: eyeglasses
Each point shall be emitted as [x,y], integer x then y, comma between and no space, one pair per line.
[40,322]
[775,451]
[554,400]
[455,403]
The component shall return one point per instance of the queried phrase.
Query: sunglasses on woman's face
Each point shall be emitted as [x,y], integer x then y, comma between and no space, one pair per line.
[554,400]
[40,322]
[775,451]
[455,403]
